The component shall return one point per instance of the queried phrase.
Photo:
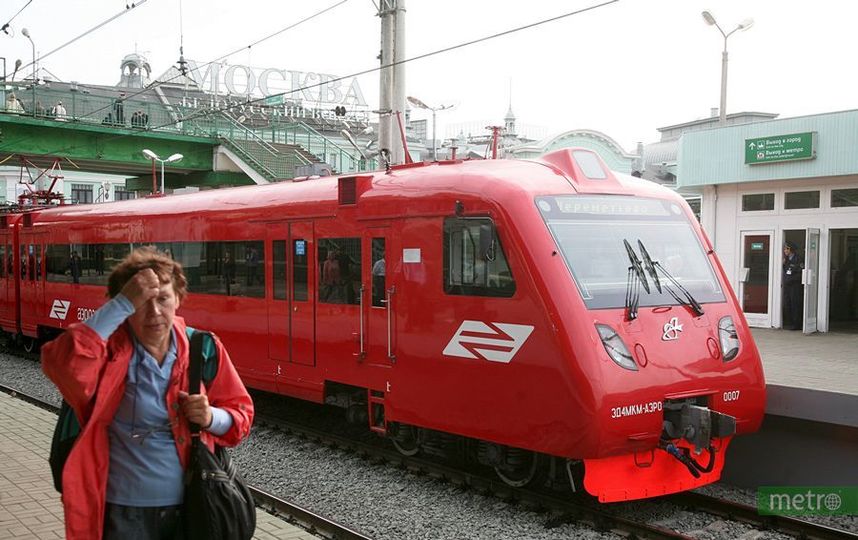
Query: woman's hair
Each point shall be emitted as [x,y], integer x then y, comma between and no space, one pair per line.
[141,258]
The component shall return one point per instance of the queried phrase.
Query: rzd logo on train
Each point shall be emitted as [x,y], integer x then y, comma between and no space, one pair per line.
[495,342]
[60,309]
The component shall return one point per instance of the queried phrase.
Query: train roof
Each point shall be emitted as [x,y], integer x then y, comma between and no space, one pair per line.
[415,185]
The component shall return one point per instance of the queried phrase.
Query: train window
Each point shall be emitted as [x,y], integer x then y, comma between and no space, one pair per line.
[474,260]
[59,266]
[279,266]
[378,272]
[93,262]
[228,268]
[340,270]
[2,260]
[299,270]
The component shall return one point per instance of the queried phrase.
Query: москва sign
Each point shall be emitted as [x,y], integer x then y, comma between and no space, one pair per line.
[319,88]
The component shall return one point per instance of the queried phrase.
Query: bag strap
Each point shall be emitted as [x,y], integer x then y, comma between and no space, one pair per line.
[195,368]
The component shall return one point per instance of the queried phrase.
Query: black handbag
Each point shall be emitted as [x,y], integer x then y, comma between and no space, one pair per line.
[218,504]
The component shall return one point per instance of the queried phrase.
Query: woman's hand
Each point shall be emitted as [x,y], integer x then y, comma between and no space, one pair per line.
[196,409]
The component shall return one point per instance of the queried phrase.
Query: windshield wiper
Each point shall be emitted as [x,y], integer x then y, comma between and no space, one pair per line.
[635,279]
[650,267]
[689,300]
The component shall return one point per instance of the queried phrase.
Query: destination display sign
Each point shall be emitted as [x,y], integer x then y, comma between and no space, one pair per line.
[794,146]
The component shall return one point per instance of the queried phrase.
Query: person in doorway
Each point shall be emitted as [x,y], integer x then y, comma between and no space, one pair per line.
[124,372]
[792,287]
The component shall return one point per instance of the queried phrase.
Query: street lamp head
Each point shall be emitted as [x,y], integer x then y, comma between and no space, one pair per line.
[747,23]
[707,16]
[26,33]
[174,157]
[417,103]
[150,154]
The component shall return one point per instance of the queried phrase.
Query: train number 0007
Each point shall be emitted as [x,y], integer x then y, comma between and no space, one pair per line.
[732,395]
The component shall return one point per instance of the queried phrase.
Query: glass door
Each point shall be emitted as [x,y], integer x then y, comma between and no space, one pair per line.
[755,277]
[810,279]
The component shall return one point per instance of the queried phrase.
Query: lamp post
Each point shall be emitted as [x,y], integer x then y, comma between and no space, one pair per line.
[154,157]
[419,104]
[744,25]
[27,35]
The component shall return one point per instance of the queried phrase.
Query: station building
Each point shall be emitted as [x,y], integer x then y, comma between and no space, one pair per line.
[767,181]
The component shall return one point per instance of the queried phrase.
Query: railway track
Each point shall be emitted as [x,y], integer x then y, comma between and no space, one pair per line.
[563,510]
[560,509]
[316,524]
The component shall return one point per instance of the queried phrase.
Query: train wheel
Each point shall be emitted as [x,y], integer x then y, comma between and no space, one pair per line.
[405,440]
[521,468]
[29,344]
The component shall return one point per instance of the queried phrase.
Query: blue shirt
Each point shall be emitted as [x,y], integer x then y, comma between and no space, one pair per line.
[144,463]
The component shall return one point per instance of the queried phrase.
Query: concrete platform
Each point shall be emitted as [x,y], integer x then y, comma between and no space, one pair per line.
[809,436]
[29,506]
[810,377]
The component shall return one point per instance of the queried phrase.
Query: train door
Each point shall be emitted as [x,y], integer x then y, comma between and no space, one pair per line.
[7,284]
[379,297]
[302,293]
[810,279]
[755,277]
[278,304]
[32,284]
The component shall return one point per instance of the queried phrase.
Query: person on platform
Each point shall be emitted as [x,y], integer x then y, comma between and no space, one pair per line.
[124,372]
[792,287]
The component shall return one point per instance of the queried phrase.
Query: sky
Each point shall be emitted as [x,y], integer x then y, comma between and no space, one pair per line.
[624,69]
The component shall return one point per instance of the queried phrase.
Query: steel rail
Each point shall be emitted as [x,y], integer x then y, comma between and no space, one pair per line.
[746,513]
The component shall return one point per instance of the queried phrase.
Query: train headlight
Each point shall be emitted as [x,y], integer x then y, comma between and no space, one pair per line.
[617,350]
[729,338]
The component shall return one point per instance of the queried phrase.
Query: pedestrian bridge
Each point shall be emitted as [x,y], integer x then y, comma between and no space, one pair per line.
[93,129]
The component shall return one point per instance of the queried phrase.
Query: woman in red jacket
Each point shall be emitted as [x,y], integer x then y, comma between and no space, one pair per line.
[125,373]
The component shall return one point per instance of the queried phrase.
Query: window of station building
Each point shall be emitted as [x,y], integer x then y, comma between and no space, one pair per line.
[474,260]
[695,203]
[756,202]
[120,194]
[795,200]
[843,198]
[81,193]
[339,270]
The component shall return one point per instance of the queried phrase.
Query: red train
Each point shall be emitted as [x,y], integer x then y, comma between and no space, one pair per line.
[521,312]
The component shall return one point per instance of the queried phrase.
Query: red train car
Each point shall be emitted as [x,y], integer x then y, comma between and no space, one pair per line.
[522,310]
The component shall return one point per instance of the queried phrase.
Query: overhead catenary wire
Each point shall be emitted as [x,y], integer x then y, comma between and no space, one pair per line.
[6,26]
[156,84]
[228,107]
[91,30]
[436,52]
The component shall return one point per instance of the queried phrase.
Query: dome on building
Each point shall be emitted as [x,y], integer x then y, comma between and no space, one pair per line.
[135,71]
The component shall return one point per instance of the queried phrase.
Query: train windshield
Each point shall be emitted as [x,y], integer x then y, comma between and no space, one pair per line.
[592,231]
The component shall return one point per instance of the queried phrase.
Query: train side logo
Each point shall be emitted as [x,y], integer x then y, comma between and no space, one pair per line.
[495,342]
[672,328]
[60,309]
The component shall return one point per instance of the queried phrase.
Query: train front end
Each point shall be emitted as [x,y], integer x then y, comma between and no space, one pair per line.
[678,372]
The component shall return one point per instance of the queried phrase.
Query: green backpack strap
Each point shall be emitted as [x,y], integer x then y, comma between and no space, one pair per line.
[210,358]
